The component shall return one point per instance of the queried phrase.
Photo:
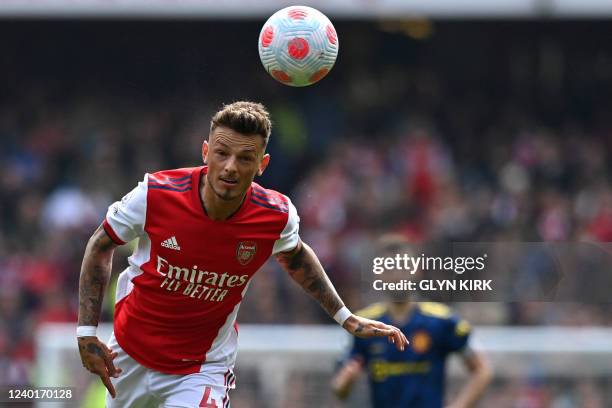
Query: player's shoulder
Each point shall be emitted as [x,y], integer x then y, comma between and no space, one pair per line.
[435,310]
[173,174]
[269,199]
[373,311]
[178,180]
[444,316]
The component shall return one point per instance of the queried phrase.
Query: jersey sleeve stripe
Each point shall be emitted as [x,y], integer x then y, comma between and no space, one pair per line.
[268,205]
[270,201]
[268,198]
[175,179]
[167,183]
[179,190]
[111,233]
[164,181]
[263,194]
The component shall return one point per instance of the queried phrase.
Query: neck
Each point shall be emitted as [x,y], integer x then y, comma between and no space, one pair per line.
[400,311]
[216,208]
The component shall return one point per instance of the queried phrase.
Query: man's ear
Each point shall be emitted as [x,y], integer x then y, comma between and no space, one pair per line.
[263,164]
[205,151]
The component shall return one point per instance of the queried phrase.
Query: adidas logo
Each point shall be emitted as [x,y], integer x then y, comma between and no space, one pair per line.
[171,243]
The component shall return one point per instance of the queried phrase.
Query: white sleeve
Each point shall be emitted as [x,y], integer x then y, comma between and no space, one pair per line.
[290,237]
[125,219]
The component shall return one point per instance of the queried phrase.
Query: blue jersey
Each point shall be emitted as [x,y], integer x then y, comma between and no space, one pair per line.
[413,378]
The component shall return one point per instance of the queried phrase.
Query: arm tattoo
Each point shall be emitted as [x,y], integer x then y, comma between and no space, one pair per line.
[95,273]
[359,328]
[304,268]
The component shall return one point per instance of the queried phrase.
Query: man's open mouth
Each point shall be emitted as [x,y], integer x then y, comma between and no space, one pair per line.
[228,181]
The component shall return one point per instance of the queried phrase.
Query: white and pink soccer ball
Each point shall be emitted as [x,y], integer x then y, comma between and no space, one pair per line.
[298,45]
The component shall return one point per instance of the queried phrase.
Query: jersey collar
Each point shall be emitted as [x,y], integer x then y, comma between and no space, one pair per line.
[196,176]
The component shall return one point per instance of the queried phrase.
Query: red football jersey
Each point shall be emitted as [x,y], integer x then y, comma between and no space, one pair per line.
[178,299]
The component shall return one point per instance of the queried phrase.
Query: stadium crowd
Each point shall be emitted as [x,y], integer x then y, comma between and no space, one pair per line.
[389,148]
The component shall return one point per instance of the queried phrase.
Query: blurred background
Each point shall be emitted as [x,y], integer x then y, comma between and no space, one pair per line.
[447,122]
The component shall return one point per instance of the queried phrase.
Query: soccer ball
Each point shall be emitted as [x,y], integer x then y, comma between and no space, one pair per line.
[298,45]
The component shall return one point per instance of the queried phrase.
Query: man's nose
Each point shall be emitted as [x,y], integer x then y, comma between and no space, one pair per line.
[230,165]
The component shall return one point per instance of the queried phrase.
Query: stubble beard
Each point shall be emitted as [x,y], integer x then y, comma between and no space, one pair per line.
[228,194]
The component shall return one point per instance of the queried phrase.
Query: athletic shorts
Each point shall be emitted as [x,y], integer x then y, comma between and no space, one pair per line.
[141,387]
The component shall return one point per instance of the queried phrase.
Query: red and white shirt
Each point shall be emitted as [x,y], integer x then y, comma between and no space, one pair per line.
[177,301]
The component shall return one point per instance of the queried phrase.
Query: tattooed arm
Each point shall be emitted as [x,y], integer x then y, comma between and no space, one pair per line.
[95,274]
[305,269]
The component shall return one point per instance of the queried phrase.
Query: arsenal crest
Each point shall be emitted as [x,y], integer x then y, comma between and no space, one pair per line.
[246,251]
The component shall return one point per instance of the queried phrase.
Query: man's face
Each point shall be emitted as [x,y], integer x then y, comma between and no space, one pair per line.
[233,161]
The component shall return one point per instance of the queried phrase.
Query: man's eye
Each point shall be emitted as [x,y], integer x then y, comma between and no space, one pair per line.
[221,153]
[246,158]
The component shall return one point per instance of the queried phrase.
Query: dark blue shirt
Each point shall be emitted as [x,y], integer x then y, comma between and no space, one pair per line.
[413,378]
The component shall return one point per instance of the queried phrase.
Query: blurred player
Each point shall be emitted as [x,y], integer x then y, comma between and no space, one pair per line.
[415,378]
[203,232]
